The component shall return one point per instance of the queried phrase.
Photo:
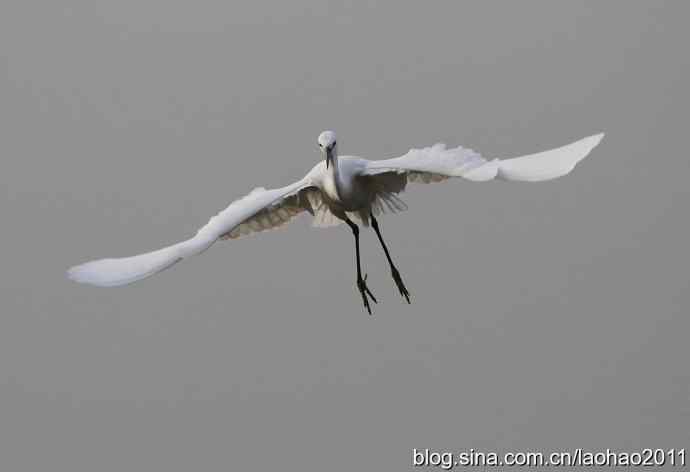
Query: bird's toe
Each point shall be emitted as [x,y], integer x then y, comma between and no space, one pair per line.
[401,286]
[365,293]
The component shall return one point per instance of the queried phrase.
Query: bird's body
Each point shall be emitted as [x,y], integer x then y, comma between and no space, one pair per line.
[338,181]
[339,189]
[340,186]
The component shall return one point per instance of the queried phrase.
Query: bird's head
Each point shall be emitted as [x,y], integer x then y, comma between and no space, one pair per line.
[327,144]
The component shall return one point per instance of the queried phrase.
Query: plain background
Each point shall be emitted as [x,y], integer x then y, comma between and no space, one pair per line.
[545,316]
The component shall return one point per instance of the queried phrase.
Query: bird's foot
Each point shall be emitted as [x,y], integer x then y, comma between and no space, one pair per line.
[365,292]
[400,284]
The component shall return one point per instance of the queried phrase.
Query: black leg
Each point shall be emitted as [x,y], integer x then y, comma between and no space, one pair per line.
[394,270]
[361,282]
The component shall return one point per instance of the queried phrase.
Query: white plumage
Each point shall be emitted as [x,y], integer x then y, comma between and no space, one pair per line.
[338,189]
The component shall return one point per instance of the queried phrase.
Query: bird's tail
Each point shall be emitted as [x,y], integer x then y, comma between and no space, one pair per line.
[125,270]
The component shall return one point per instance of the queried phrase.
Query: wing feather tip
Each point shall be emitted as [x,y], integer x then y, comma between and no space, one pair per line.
[85,274]
[593,141]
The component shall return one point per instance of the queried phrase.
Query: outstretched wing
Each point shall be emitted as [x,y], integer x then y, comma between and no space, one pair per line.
[275,215]
[260,210]
[437,163]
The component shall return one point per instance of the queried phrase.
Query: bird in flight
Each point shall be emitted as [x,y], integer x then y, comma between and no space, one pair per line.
[340,189]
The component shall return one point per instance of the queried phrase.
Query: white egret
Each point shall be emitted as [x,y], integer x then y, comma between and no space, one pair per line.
[340,189]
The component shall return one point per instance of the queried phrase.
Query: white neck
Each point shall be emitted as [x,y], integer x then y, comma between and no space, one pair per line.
[335,170]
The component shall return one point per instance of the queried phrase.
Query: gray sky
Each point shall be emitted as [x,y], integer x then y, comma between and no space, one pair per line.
[544,316]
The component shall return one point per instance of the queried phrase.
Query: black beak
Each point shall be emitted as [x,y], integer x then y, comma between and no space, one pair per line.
[329,157]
